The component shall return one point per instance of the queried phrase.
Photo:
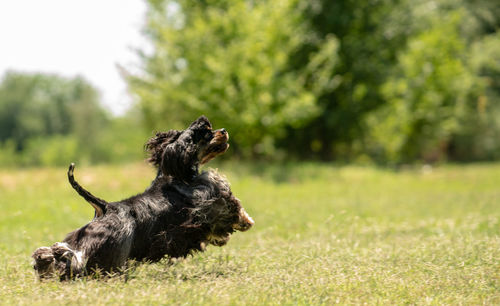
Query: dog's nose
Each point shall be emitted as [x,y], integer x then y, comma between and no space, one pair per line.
[245,221]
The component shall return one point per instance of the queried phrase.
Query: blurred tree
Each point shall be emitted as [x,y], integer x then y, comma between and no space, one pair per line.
[370,34]
[418,51]
[35,107]
[394,80]
[234,62]
[477,139]
[441,101]
[427,97]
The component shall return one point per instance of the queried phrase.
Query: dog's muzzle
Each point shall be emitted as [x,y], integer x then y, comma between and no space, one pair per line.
[219,142]
[218,145]
[245,222]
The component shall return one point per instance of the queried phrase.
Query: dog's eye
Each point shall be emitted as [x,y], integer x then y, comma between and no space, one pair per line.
[208,135]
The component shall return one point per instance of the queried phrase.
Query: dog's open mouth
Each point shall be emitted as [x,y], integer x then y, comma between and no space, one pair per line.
[220,240]
[218,145]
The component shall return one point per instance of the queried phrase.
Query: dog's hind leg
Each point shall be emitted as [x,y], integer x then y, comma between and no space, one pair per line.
[58,260]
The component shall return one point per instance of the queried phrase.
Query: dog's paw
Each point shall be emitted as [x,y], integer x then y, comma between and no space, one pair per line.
[43,262]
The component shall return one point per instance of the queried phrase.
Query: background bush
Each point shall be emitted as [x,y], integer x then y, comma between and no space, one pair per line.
[392,81]
[47,120]
[389,81]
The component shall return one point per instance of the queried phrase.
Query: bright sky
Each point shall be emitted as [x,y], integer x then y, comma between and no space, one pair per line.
[74,37]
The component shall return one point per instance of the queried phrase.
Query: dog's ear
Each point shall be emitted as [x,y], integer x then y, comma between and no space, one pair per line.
[201,122]
[179,161]
[156,145]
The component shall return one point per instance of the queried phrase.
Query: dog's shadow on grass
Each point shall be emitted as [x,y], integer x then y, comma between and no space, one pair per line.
[188,269]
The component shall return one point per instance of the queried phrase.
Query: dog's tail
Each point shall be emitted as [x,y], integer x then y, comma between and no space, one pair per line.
[98,204]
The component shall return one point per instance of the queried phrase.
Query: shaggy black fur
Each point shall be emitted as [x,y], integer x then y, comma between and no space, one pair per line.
[180,213]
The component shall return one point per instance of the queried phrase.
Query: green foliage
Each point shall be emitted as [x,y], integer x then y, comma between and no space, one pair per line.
[230,60]
[8,152]
[47,120]
[323,235]
[390,80]
[479,133]
[54,150]
[369,34]
[441,100]
[36,105]
[427,98]
[122,140]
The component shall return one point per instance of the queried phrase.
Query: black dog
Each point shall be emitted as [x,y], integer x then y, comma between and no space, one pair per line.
[181,212]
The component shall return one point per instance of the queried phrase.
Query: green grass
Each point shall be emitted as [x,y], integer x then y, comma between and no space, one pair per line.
[323,235]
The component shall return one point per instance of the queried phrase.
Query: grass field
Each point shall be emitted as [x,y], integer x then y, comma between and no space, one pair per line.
[323,235]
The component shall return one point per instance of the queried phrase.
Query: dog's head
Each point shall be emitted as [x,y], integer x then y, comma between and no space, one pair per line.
[215,209]
[230,217]
[179,153]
